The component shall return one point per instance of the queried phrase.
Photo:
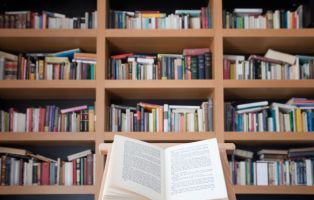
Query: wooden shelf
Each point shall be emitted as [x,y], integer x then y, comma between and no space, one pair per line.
[48,84]
[126,41]
[291,41]
[64,137]
[44,190]
[268,84]
[48,89]
[30,40]
[162,137]
[209,84]
[257,89]
[132,33]
[268,137]
[241,33]
[275,190]
[50,33]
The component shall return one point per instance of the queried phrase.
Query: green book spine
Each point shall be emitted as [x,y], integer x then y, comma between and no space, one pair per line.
[194,67]
[183,68]
[82,171]
[92,71]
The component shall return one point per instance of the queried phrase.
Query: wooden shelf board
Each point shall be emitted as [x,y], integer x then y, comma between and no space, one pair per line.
[268,33]
[47,41]
[268,84]
[268,137]
[139,42]
[259,41]
[48,84]
[196,84]
[275,190]
[44,190]
[162,137]
[8,137]
[159,93]
[257,89]
[47,89]
[51,33]
[131,33]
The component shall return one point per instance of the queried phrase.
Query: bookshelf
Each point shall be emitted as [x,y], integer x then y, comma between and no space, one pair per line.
[105,41]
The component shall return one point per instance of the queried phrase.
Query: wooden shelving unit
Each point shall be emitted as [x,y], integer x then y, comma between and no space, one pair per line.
[277,190]
[46,190]
[106,41]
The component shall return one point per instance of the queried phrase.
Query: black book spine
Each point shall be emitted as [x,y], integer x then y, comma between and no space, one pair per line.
[142,119]
[90,20]
[208,65]
[1,21]
[168,61]
[259,71]
[194,67]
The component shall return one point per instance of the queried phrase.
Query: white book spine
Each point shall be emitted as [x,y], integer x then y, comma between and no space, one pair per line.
[309,172]
[68,179]
[166,120]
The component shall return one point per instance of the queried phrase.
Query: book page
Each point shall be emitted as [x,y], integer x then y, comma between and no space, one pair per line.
[138,167]
[194,171]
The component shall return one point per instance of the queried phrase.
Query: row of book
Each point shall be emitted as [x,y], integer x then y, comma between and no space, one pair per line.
[21,167]
[192,64]
[255,18]
[296,115]
[181,19]
[46,20]
[273,167]
[65,65]
[274,65]
[49,119]
[147,117]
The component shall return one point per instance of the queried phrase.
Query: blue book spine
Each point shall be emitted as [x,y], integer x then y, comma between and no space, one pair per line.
[209,18]
[240,123]
[274,121]
[309,121]
[180,74]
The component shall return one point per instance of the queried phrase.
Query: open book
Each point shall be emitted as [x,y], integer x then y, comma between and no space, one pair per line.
[139,170]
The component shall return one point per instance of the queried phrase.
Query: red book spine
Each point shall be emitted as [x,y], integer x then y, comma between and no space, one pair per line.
[203,18]
[188,68]
[74,172]
[42,112]
[45,173]
[11,118]
[84,73]
[85,171]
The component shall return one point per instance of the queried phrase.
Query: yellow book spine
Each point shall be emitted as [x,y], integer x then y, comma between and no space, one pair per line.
[299,120]
[91,119]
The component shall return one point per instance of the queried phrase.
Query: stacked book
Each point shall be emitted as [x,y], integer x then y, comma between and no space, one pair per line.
[256,18]
[49,119]
[274,65]
[147,117]
[181,19]
[46,20]
[23,168]
[192,64]
[64,65]
[294,116]
[273,167]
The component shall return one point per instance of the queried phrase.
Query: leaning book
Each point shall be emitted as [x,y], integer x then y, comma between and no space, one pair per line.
[139,170]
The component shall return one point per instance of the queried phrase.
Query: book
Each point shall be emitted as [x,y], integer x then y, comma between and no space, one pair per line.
[79,155]
[27,19]
[123,183]
[243,153]
[161,66]
[252,105]
[284,57]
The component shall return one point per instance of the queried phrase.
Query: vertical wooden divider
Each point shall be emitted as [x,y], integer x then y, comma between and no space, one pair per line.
[218,70]
[100,101]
